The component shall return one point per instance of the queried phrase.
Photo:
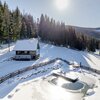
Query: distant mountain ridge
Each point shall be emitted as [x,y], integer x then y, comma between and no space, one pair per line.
[95,32]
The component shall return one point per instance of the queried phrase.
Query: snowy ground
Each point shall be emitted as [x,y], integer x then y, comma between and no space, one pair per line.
[47,52]
[17,88]
[32,86]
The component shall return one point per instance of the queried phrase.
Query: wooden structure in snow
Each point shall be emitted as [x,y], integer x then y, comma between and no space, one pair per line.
[26,49]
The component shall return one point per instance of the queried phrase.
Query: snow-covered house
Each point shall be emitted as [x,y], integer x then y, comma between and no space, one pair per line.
[26,49]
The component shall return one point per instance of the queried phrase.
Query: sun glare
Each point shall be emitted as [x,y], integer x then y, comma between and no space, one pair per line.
[61,4]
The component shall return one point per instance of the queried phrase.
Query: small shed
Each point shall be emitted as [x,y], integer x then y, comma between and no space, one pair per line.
[26,49]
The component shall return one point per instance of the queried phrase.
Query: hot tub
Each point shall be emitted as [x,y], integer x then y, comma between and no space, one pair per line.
[76,87]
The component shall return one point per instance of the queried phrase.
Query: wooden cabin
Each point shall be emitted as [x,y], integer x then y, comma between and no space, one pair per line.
[26,49]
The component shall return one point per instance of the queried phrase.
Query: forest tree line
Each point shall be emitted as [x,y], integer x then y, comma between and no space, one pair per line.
[14,25]
[60,34]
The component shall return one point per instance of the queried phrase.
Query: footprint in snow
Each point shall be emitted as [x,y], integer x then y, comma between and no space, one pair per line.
[17,90]
[10,96]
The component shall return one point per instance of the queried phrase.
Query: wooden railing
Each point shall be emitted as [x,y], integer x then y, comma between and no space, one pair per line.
[10,75]
[20,71]
[90,69]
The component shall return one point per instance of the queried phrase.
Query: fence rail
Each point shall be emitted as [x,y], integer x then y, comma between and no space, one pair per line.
[90,69]
[10,75]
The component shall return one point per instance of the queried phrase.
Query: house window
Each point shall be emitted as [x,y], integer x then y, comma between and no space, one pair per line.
[32,52]
[26,52]
[18,52]
[22,52]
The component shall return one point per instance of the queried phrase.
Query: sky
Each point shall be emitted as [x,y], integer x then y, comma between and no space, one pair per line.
[83,13]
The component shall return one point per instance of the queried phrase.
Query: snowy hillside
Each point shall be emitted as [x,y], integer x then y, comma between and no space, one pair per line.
[95,32]
[48,52]
[23,86]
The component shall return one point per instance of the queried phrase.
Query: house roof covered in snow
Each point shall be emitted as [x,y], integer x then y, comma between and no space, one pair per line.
[26,45]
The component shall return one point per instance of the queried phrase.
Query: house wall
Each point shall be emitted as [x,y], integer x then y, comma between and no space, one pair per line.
[25,55]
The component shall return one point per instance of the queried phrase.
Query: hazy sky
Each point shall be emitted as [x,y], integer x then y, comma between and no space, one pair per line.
[84,13]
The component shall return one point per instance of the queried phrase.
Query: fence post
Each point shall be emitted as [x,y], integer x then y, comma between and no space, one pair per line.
[81,68]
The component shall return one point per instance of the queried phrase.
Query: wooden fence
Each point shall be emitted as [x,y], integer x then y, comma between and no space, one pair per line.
[90,69]
[10,75]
